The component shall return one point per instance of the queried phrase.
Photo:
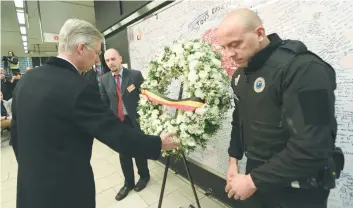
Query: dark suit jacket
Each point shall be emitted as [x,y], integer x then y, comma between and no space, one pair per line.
[56,115]
[130,99]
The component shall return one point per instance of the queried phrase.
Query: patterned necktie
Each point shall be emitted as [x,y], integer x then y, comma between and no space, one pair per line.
[120,98]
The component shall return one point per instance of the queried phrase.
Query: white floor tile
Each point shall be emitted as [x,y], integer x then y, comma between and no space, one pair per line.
[173,200]
[105,198]
[132,200]
[207,202]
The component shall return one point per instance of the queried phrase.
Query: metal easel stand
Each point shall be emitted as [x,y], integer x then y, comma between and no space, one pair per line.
[190,179]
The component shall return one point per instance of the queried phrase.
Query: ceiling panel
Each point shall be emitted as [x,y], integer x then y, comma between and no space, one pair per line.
[53,15]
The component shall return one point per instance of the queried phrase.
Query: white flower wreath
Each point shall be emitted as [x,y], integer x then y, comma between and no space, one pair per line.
[202,77]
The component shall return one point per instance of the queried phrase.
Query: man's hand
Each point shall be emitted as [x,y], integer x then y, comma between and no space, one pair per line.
[168,142]
[232,171]
[242,187]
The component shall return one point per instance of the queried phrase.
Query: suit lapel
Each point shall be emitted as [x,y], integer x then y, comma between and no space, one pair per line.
[112,84]
[126,79]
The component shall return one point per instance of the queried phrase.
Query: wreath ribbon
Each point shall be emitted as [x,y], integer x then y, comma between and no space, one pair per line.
[187,104]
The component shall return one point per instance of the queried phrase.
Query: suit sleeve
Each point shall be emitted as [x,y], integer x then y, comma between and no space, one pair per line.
[141,79]
[98,120]
[308,104]
[13,131]
[103,93]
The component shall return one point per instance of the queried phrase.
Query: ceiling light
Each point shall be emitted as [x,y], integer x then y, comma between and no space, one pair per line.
[24,38]
[25,44]
[26,51]
[21,18]
[23,30]
[25,47]
[19,3]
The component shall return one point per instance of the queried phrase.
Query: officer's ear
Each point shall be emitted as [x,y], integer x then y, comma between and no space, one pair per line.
[260,32]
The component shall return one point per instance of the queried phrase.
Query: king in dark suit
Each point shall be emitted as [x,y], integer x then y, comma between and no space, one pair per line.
[56,114]
[120,89]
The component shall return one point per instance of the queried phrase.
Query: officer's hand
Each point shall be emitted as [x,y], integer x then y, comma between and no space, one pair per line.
[232,171]
[242,187]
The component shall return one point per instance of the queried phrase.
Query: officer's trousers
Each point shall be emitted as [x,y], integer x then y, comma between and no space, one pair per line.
[286,198]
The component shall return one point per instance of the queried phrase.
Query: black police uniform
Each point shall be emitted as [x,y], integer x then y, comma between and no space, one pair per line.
[284,121]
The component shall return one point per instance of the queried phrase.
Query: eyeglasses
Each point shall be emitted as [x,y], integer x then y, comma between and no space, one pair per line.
[98,53]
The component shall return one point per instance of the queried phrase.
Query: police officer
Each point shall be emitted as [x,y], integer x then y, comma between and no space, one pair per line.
[284,120]
[12,62]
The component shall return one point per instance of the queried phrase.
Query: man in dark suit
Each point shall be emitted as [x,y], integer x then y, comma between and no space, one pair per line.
[56,115]
[120,89]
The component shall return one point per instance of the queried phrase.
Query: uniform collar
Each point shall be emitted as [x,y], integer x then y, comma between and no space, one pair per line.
[259,59]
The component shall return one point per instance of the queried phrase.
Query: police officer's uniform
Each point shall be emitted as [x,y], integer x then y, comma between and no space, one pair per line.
[284,121]
[14,65]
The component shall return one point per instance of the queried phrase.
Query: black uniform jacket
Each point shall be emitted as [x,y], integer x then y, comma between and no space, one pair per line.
[305,93]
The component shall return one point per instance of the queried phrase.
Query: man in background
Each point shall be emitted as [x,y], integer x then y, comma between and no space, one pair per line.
[6,85]
[120,89]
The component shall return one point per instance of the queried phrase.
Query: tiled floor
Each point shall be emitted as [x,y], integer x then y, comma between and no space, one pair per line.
[109,179]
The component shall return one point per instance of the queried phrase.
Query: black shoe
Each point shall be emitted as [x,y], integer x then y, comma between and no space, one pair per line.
[124,191]
[141,184]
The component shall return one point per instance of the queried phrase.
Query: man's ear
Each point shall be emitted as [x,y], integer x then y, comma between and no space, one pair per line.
[260,31]
[81,48]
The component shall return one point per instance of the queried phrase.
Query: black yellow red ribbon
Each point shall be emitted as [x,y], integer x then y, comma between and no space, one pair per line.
[188,104]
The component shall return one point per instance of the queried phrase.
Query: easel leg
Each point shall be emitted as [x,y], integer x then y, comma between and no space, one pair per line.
[191,181]
[164,182]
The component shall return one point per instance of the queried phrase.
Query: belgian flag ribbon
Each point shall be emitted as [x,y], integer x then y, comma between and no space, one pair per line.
[188,104]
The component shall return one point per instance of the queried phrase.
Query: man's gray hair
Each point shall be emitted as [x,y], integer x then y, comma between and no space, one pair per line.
[74,32]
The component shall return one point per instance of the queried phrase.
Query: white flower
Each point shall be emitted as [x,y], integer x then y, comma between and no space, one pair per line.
[216,101]
[183,127]
[154,83]
[172,129]
[199,55]
[216,62]
[201,111]
[207,67]
[203,74]
[189,113]
[192,57]
[156,122]
[182,62]
[199,93]
[217,76]
[194,64]
[178,49]
[196,46]
[159,129]
[160,68]
[180,118]
[192,76]
[198,85]
[190,142]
